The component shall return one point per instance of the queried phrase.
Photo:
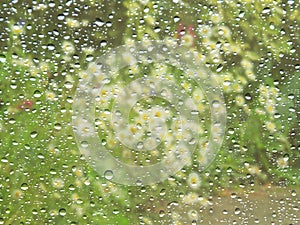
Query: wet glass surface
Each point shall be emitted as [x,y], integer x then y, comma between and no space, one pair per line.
[149,112]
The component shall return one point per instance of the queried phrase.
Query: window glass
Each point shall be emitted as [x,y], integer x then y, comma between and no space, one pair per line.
[149,112]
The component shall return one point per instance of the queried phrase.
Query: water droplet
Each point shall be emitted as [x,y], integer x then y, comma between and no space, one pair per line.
[84,144]
[103,43]
[108,174]
[62,212]
[68,84]
[157,29]
[162,192]
[13,86]
[192,141]
[219,68]
[37,94]
[61,17]
[225,212]
[277,115]
[139,126]
[57,126]
[2,58]
[237,211]
[89,58]
[241,14]
[229,170]
[140,145]
[176,19]
[292,109]
[230,130]
[291,96]
[33,134]
[139,183]
[266,10]
[162,213]
[116,211]
[99,22]
[108,24]
[40,156]
[286,157]
[24,186]
[248,96]
[51,47]
[106,80]
[51,4]
[12,121]
[226,83]
[4,160]
[216,104]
